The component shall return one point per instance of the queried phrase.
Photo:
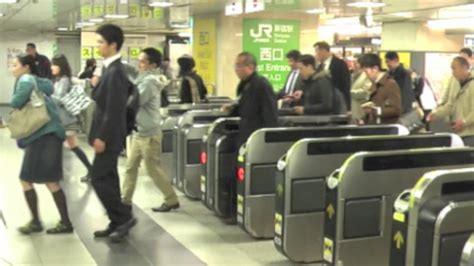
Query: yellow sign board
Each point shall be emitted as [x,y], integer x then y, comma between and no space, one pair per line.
[97,53]
[204,50]
[98,10]
[134,53]
[110,9]
[146,12]
[86,11]
[158,13]
[86,53]
[405,59]
[135,11]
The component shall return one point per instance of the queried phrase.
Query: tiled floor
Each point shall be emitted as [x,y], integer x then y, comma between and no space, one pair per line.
[190,236]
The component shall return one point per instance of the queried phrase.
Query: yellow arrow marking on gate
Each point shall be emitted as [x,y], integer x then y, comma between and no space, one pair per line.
[330,210]
[398,238]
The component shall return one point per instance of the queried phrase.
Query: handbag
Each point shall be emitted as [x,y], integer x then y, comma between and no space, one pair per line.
[76,100]
[31,117]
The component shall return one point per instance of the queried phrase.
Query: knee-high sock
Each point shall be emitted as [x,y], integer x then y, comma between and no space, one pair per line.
[60,200]
[32,200]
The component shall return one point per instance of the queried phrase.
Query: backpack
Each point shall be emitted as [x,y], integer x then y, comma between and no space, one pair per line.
[133,105]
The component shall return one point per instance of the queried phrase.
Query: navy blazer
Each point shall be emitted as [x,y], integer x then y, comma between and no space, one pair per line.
[111,95]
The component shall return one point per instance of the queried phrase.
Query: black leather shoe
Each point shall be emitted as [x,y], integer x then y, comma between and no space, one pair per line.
[122,231]
[104,233]
[166,208]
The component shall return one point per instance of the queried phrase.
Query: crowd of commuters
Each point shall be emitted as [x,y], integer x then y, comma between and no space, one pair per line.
[316,85]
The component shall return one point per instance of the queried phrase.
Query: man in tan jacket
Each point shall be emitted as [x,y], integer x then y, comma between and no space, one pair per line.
[460,111]
[384,105]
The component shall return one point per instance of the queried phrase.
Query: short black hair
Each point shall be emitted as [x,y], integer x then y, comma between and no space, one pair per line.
[249,59]
[293,55]
[371,60]
[28,60]
[462,61]
[112,34]
[186,64]
[31,45]
[323,46]
[154,56]
[391,55]
[466,51]
[61,61]
[307,60]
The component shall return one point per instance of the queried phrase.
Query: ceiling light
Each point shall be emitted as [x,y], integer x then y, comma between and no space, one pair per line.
[8,1]
[456,23]
[1,15]
[84,24]
[367,4]
[185,34]
[96,20]
[116,16]
[160,4]
[62,29]
[316,11]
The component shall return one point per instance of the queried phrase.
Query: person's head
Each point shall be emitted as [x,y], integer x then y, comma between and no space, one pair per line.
[186,64]
[392,60]
[60,66]
[292,57]
[466,53]
[322,51]
[31,49]
[24,64]
[245,65]
[91,63]
[306,66]
[372,65]
[110,39]
[460,68]
[149,59]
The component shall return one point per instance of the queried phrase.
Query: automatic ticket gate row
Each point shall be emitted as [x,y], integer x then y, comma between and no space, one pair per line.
[257,166]
[301,183]
[169,124]
[360,196]
[219,153]
[187,142]
[433,222]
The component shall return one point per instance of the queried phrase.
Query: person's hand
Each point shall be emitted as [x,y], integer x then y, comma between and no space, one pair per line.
[99,146]
[299,110]
[226,108]
[458,126]
[297,95]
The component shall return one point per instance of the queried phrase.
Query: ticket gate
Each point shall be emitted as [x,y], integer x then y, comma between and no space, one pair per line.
[187,143]
[300,185]
[360,196]
[218,158]
[220,183]
[467,258]
[433,220]
[168,126]
[258,164]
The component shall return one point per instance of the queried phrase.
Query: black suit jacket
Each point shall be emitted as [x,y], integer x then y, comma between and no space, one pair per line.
[341,78]
[298,86]
[111,96]
[257,106]
[404,81]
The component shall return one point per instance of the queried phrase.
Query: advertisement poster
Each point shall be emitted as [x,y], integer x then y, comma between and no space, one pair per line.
[11,55]
[438,70]
[270,41]
[204,50]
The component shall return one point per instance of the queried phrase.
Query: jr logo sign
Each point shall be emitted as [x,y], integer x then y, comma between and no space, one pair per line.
[264,30]
[269,41]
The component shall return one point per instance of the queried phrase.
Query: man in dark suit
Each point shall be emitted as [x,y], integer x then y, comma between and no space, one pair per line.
[293,81]
[403,79]
[108,132]
[340,75]
[257,104]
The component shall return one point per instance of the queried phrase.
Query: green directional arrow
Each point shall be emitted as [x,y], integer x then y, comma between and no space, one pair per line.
[398,238]
[279,190]
[330,210]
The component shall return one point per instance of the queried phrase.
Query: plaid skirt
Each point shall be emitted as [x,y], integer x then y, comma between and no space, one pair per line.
[43,160]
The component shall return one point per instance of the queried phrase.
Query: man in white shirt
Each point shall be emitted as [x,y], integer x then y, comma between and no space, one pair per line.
[293,82]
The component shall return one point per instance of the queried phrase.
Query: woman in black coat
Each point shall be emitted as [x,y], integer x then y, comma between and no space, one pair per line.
[193,89]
